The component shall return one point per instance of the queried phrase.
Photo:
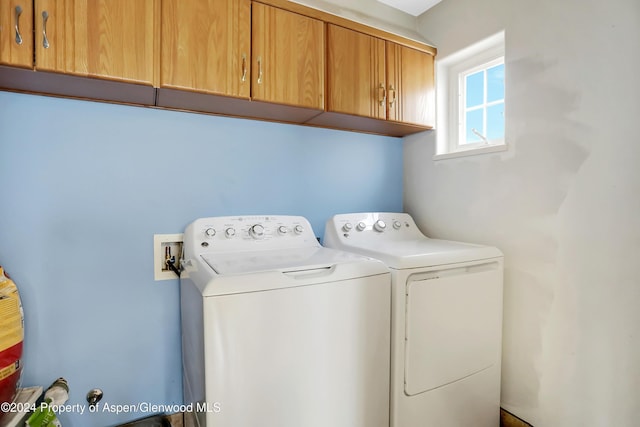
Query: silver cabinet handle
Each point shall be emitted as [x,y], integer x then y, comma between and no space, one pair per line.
[17,14]
[45,40]
[244,68]
[393,98]
[259,70]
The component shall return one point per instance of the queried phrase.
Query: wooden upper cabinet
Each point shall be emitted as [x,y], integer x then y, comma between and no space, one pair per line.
[109,39]
[16,33]
[356,78]
[371,77]
[288,58]
[206,46]
[410,85]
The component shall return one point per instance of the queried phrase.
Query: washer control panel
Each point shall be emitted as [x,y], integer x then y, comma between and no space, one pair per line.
[385,226]
[248,233]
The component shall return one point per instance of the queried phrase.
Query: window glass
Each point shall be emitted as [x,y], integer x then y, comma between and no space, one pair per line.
[495,83]
[474,119]
[495,121]
[475,89]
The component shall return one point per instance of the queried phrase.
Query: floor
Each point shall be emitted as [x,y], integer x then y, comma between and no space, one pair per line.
[507,419]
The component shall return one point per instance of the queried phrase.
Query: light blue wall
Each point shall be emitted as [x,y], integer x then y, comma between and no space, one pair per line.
[84,186]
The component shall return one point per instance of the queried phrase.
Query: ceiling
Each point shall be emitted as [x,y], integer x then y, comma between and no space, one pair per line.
[412,7]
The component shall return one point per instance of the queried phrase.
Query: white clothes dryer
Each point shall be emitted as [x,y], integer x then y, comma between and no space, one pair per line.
[446,335]
[278,331]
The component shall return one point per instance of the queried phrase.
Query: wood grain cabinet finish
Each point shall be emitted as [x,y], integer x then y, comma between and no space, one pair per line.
[206,46]
[288,58]
[355,73]
[108,39]
[267,59]
[16,33]
[410,85]
[370,77]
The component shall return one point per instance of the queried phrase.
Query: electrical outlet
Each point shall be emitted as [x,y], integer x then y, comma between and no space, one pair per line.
[166,246]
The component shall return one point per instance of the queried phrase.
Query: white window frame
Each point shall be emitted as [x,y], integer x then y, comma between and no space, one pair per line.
[450,102]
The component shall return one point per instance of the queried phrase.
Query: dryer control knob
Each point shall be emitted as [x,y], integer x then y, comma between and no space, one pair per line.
[210,232]
[230,232]
[361,226]
[397,225]
[298,229]
[379,225]
[283,230]
[256,231]
[347,227]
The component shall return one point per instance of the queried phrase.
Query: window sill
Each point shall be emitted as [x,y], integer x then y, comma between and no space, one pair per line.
[471,152]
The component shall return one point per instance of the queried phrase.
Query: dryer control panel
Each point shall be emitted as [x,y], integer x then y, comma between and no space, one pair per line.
[247,233]
[377,226]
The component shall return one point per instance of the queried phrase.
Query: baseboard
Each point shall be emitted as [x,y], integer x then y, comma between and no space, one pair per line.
[507,419]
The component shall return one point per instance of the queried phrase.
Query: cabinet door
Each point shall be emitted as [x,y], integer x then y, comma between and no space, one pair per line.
[16,33]
[116,39]
[206,46]
[288,57]
[51,17]
[356,82]
[110,39]
[410,91]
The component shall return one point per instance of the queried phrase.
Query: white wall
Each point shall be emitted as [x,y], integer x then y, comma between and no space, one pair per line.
[563,203]
[370,12]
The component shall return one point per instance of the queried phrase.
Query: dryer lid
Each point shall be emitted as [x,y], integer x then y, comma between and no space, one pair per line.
[395,239]
[424,252]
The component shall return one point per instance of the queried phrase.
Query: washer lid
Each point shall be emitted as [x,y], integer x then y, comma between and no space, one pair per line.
[423,252]
[285,260]
[224,274]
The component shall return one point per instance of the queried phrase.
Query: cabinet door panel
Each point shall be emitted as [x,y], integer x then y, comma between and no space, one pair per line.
[288,57]
[110,39]
[51,20]
[206,46]
[115,39]
[16,33]
[355,73]
[411,75]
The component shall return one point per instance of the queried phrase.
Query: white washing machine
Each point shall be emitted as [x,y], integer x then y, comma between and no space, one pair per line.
[278,331]
[446,335]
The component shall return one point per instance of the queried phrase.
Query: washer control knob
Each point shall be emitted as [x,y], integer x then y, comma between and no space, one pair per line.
[361,226]
[298,229]
[347,227]
[210,232]
[379,225]
[230,232]
[283,230]
[256,231]
[397,225]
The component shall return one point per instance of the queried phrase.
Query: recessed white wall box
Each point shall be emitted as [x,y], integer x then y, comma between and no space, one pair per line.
[166,246]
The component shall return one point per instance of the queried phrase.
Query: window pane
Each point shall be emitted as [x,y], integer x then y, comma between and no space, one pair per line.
[495,121]
[474,84]
[473,121]
[495,83]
